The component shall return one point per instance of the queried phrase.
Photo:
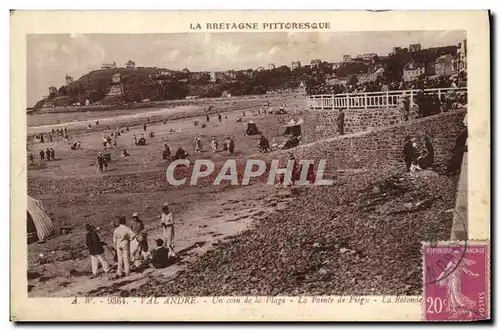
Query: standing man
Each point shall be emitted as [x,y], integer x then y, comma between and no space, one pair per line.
[121,239]
[408,152]
[48,154]
[220,117]
[145,126]
[96,250]
[167,222]
[140,232]
[31,158]
[340,122]
[208,118]
[42,156]
[166,153]
[52,154]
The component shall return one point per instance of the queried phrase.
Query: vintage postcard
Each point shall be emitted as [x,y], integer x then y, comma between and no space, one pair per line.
[250,166]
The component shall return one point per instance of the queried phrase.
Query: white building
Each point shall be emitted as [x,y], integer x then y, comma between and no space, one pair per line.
[295,65]
[108,65]
[412,70]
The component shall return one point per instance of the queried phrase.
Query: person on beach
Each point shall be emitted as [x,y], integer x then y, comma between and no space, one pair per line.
[140,244]
[52,154]
[48,154]
[213,143]
[121,240]
[159,258]
[42,156]
[408,152]
[96,250]
[340,122]
[31,158]
[167,222]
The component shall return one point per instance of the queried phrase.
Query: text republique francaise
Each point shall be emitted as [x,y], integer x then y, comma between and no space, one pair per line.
[260,26]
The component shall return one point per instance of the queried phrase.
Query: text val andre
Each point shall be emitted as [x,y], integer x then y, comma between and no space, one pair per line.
[264,26]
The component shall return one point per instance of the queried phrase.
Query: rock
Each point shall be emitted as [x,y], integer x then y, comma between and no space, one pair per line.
[344,250]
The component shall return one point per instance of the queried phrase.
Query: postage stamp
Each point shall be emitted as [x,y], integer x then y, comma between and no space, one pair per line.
[249,166]
[456,281]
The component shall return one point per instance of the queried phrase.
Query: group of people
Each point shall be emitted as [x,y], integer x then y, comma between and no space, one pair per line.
[49,154]
[110,141]
[418,156]
[141,141]
[130,245]
[382,85]
[102,161]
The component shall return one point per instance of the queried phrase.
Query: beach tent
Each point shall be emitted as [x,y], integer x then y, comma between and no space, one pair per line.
[38,220]
[294,128]
[251,128]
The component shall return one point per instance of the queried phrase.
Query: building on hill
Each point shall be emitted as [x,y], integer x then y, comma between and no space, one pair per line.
[374,72]
[335,65]
[295,65]
[271,66]
[130,64]
[164,72]
[412,70]
[367,57]
[259,69]
[108,65]
[338,81]
[186,71]
[231,74]
[52,91]
[396,50]
[213,77]
[446,65]
[315,63]
[68,79]
[462,55]
[116,79]
[414,48]
[116,87]
[346,58]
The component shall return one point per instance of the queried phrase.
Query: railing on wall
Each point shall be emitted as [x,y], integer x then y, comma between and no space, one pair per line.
[372,99]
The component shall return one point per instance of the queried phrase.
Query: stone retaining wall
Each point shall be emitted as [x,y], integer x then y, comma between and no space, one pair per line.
[383,147]
[321,124]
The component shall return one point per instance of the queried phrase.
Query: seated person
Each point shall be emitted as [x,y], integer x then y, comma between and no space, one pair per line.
[125,153]
[74,146]
[159,258]
[180,154]
[151,134]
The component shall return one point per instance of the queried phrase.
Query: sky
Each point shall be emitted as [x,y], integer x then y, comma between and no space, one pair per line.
[51,57]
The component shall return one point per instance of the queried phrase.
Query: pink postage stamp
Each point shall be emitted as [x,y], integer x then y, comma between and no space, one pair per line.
[456,281]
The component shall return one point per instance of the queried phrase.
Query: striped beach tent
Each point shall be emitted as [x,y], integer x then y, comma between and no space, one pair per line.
[38,220]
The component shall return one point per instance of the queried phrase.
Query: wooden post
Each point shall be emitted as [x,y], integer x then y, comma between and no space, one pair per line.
[366,103]
[347,99]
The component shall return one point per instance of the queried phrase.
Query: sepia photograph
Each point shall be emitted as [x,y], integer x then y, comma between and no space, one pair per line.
[109,113]
[277,167]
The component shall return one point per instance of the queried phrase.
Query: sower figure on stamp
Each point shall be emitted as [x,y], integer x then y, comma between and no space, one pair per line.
[450,278]
[167,222]
[121,239]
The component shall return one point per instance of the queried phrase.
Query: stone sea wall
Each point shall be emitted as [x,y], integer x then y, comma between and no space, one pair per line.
[321,124]
[382,147]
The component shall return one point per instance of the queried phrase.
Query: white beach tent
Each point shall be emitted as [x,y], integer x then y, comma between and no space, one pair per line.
[38,220]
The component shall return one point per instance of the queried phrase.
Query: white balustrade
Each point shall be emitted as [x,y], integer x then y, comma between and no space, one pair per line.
[371,100]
